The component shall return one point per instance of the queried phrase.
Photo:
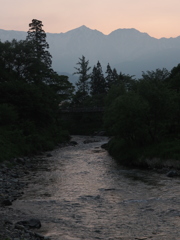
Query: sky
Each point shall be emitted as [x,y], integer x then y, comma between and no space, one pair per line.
[158,18]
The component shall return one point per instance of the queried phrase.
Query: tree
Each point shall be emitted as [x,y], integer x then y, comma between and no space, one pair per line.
[83,84]
[112,77]
[162,107]
[39,59]
[62,87]
[13,60]
[109,76]
[5,73]
[174,79]
[125,115]
[158,74]
[127,81]
[97,83]
[143,116]
[30,93]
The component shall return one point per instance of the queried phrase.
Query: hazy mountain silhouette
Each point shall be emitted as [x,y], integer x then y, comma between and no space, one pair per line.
[128,50]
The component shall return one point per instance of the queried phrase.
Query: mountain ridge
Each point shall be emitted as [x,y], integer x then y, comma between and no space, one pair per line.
[127,49]
[84,27]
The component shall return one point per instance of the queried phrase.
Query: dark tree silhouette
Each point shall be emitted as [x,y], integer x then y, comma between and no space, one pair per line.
[39,59]
[82,70]
[98,84]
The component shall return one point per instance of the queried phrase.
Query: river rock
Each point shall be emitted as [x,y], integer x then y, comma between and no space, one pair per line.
[20,160]
[6,202]
[73,143]
[104,146]
[172,173]
[49,155]
[32,223]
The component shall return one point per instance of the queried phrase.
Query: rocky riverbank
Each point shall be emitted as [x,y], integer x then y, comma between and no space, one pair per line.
[12,225]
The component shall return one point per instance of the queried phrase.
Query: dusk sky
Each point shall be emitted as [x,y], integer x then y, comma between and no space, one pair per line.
[158,18]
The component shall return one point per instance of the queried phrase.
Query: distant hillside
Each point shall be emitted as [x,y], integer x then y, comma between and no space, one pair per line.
[128,50]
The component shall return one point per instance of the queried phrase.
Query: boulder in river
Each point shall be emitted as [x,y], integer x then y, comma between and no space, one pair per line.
[32,223]
[6,202]
[20,160]
[73,143]
[104,146]
[49,155]
[172,173]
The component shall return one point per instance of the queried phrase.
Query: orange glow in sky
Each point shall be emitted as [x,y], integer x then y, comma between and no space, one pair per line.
[158,18]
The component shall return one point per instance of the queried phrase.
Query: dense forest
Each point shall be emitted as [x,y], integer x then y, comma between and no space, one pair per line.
[142,116]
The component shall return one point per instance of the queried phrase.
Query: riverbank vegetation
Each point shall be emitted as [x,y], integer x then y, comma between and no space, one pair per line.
[30,93]
[143,116]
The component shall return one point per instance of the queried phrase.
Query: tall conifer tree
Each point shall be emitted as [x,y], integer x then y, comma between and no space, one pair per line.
[39,59]
[82,70]
[98,84]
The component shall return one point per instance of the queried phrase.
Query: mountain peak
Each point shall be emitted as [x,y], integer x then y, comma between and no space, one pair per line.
[84,27]
[128,31]
[84,30]
[81,28]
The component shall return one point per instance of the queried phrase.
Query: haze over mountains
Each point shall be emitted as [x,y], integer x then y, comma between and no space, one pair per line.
[127,50]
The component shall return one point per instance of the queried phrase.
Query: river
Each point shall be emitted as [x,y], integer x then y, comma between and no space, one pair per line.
[80,192]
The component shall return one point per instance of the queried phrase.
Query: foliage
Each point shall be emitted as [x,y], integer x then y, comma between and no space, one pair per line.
[13,60]
[97,86]
[62,87]
[97,82]
[127,118]
[142,114]
[82,84]
[111,77]
[39,59]
[174,80]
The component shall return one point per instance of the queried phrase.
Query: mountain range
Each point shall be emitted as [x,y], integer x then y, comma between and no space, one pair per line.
[128,50]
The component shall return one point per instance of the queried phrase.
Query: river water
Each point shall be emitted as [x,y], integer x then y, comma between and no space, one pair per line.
[80,192]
